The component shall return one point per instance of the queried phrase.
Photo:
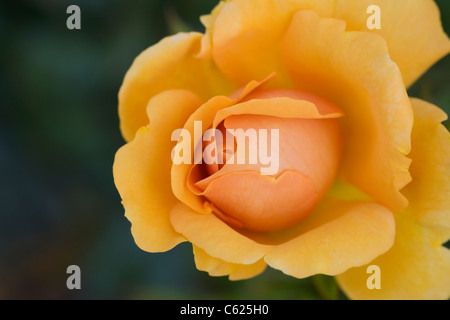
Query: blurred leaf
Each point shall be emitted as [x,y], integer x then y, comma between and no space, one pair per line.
[326,286]
[174,22]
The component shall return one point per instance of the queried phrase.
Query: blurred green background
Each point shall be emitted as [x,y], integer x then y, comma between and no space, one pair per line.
[59,131]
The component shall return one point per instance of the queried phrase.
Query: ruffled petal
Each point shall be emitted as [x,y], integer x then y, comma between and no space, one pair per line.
[317,125]
[142,171]
[411,28]
[245,36]
[217,268]
[359,232]
[169,64]
[417,266]
[353,70]
[215,237]
[205,114]
[430,169]
[252,54]
[281,107]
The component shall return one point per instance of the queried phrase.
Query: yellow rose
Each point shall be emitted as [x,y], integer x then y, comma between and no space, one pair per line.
[364,170]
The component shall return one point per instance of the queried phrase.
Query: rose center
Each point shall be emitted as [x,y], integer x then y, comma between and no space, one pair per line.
[268,172]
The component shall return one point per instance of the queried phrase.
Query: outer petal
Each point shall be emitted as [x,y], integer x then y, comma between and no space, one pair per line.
[170,64]
[417,266]
[411,28]
[353,70]
[217,268]
[246,35]
[359,233]
[429,192]
[142,171]
[215,237]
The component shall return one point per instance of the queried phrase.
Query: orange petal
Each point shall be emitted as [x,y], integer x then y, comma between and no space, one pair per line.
[359,233]
[205,114]
[263,203]
[353,70]
[303,144]
[295,118]
[310,146]
[217,268]
[169,64]
[215,237]
[411,28]
[302,107]
[142,171]
[245,36]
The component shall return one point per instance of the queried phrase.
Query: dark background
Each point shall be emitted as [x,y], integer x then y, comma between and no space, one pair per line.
[59,131]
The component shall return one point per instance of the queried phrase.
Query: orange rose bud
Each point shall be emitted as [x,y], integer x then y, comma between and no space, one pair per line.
[308,154]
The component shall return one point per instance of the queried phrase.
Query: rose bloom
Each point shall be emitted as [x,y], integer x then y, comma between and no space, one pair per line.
[363,175]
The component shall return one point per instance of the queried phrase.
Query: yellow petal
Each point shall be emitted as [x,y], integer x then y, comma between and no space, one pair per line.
[411,28]
[359,233]
[353,70]
[169,64]
[246,46]
[208,21]
[246,35]
[142,171]
[342,190]
[215,237]
[217,268]
[430,169]
[417,266]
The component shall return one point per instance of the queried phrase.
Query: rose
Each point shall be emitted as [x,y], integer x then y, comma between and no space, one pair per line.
[388,203]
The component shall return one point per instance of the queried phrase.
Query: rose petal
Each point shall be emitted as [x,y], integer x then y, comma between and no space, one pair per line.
[263,203]
[429,192]
[241,53]
[215,237]
[142,171]
[411,28]
[359,233]
[353,70]
[217,268]
[281,107]
[205,114]
[286,106]
[169,64]
[417,266]
[246,35]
